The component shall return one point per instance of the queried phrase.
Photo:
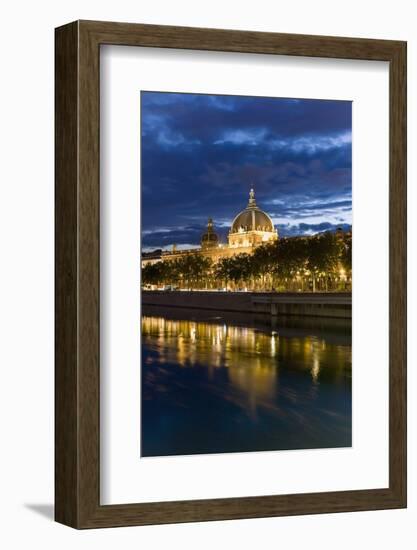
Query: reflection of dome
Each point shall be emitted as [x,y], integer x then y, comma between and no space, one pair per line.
[252,218]
[209,239]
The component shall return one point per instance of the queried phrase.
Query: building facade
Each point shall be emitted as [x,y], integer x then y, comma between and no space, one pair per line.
[251,228]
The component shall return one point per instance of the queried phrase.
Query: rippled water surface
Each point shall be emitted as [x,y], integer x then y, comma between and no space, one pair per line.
[216,382]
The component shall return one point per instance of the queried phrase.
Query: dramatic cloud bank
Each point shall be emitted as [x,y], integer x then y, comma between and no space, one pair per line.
[202,153]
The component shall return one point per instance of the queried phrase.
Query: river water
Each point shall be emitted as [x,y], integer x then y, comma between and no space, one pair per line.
[214,382]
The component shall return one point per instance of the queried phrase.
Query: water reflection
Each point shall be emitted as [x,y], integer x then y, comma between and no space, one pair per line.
[210,384]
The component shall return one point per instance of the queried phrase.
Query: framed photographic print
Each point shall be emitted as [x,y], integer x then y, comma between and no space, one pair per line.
[230,274]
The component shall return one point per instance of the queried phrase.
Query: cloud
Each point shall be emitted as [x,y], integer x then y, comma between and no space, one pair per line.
[202,153]
[182,237]
[287,230]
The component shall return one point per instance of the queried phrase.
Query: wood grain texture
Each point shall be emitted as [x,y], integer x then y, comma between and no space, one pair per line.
[398,274]
[78,285]
[66,231]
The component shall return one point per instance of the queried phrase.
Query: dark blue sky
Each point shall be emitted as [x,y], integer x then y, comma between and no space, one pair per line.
[202,153]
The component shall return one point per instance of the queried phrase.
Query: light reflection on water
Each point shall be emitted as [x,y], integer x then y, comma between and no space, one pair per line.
[210,385]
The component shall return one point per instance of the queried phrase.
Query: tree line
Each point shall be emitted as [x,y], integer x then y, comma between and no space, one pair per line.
[322,262]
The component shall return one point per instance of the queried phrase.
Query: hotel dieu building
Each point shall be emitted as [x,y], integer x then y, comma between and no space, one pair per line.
[252,227]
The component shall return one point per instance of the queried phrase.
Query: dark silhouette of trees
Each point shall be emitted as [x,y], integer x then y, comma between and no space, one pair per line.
[190,271]
[320,262]
[193,270]
[157,273]
[264,262]
[291,262]
[346,253]
[238,269]
[323,257]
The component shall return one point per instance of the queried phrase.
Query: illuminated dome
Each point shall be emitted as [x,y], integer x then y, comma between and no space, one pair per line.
[252,218]
[209,239]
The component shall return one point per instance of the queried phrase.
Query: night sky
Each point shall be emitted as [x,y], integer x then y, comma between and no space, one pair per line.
[201,154]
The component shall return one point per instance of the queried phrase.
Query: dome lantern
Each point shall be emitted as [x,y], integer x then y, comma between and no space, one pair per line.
[252,202]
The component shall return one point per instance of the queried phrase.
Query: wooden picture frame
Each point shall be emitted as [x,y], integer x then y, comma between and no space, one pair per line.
[77,406]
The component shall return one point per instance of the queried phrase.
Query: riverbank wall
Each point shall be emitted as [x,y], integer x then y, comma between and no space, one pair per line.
[317,304]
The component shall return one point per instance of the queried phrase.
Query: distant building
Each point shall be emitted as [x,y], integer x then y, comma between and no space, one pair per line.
[149,258]
[251,228]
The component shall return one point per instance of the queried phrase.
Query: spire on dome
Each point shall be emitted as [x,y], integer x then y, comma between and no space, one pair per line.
[252,201]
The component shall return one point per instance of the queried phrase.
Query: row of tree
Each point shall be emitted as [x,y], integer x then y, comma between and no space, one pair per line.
[321,262]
